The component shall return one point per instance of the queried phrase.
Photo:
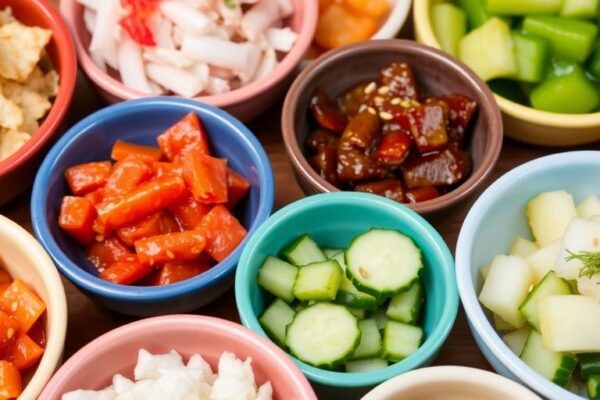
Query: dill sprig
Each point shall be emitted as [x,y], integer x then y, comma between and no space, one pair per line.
[590,261]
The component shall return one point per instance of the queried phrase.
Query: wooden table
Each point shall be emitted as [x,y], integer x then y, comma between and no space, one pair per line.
[88,320]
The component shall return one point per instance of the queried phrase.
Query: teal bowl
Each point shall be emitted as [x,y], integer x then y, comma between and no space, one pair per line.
[333,220]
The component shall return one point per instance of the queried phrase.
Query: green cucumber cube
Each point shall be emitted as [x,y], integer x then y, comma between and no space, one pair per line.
[550,285]
[370,340]
[593,387]
[556,367]
[318,281]
[400,340]
[357,312]
[405,307]
[523,7]
[331,252]
[278,278]
[449,25]
[533,56]
[303,251]
[580,8]
[275,320]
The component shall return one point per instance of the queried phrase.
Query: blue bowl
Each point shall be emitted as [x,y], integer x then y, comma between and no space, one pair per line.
[141,121]
[489,229]
[333,220]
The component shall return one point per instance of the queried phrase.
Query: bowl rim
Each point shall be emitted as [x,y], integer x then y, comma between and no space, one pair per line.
[174,322]
[475,315]
[57,303]
[395,20]
[138,294]
[424,32]
[405,47]
[435,339]
[67,59]
[433,375]
[70,9]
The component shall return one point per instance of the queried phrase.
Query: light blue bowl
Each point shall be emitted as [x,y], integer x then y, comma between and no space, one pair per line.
[333,220]
[141,121]
[489,229]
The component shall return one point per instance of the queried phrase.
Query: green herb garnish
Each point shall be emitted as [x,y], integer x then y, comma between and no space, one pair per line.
[590,261]
[229,3]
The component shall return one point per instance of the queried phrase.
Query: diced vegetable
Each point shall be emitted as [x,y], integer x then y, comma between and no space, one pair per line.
[126,272]
[303,251]
[85,178]
[580,8]
[8,329]
[449,25]
[516,339]
[275,320]
[370,340]
[23,352]
[557,367]
[550,285]
[405,307]
[506,287]
[589,364]
[185,135]
[122,150]
[371,364]
[532,55]
[542,261]
[223,232]
[331,252]
[177,271]
[476,12]
[77,215]
[500,324]
[10,381]
[485,270]
[156,224]
[400,340]
[522,247]
[237,188]
[103,254]
[126,174]
[188,212]
[593,387]
[581,236]
[179,246]
[22,304]
[523,7]
[348,294]
[589,207]
[558,204]
[278,278]
[326,113]
[318,281]
[205,176]
[339,27]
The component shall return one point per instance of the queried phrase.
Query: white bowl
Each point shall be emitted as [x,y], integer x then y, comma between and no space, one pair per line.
[395,21]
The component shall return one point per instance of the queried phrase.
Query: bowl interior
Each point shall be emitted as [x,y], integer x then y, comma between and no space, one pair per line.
[187,335]
[436,75]
[92,140]
[333,220]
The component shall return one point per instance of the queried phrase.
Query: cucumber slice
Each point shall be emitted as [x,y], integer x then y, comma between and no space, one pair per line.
[278,277]
[522,247]
[275,319]
[357,312]
[589,363]
[323,335]
[550,285]
[516,340]
[383,262]
[593,387]
[318,281]
[449,25]
[556,367]
[349,295]
[371,364]
[303,251]
[370,340]
[405,307]
[330,252]
[400,340]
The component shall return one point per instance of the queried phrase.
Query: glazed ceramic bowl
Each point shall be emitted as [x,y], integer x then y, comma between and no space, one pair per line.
[450,383]
[244,103]
[117,352]
[18,170]
[395,21]
[24,259]
[141,121]
[489,229]
[333,220]
[435,72]
[521,122]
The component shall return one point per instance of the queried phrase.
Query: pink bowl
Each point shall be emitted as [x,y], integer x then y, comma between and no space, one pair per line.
[115,352]
[244,103]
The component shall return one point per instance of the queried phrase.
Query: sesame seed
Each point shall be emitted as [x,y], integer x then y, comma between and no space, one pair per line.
[405,104]
[378,100]
[370,88]
[386,116]
[415,103]
[362,108]
[395,101]
[383,90]
[371,110]
[170,254]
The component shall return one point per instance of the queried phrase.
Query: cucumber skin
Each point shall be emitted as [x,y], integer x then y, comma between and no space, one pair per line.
[375,292]
[565,369]
[414,311]
[292,246]
[269,332]
[523,307]
[593,387]
[590,364]
[346,298]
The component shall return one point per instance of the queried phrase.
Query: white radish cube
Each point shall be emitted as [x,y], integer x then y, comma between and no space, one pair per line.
[501,325]
[581,236]
[522,247]
[515,340]
[506,287]
[589,207]
[148,365]
[570,323]
[589,286]
[543,260]
[484,271]
[549,214]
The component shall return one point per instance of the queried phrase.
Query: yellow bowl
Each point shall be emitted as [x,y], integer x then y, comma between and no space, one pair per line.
[522,123]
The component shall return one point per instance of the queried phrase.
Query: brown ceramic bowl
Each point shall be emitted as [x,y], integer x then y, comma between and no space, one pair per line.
[436,73]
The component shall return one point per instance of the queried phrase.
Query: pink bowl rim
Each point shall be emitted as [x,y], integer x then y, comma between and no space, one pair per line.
[310,12]
[126,332]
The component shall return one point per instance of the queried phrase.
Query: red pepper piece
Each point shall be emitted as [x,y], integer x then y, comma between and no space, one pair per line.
[103,254]
[165,168]
[185,135]
[223,233]
[126,175]
[23,352]
[428,126]
[320,138]
[85,178]
[326,113]
[136,21]
[394,148]
[144,200]
[179,246]
[206,177]
[76,217]
[400,80]
[122,150]
[325,162]
[390,188]
[156,224]
[360,131]
[126,272]
[180,271]
[188,212]
[461,110]
[445,168]
[237,188]
[424,193]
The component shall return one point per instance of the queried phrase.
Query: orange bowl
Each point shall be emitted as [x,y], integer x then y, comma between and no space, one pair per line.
[18,170]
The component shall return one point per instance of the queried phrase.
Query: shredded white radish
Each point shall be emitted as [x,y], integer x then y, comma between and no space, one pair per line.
[189,47]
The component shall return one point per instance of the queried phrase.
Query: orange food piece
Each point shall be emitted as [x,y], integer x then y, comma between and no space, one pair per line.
[126,175]
[373,8]
[339,27]
[179,271]
[76,217]
[95,197]
[85,178]
[185,135]
[223,232]
[22,304]
[105,253]
[8,329]
[206,177]
[10,381]
[188,212]
[324,4]
[23,352]
[180,246]
[165,168]
[126,272]
[122,150]
[155,224]
[146,199]
[237,188]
